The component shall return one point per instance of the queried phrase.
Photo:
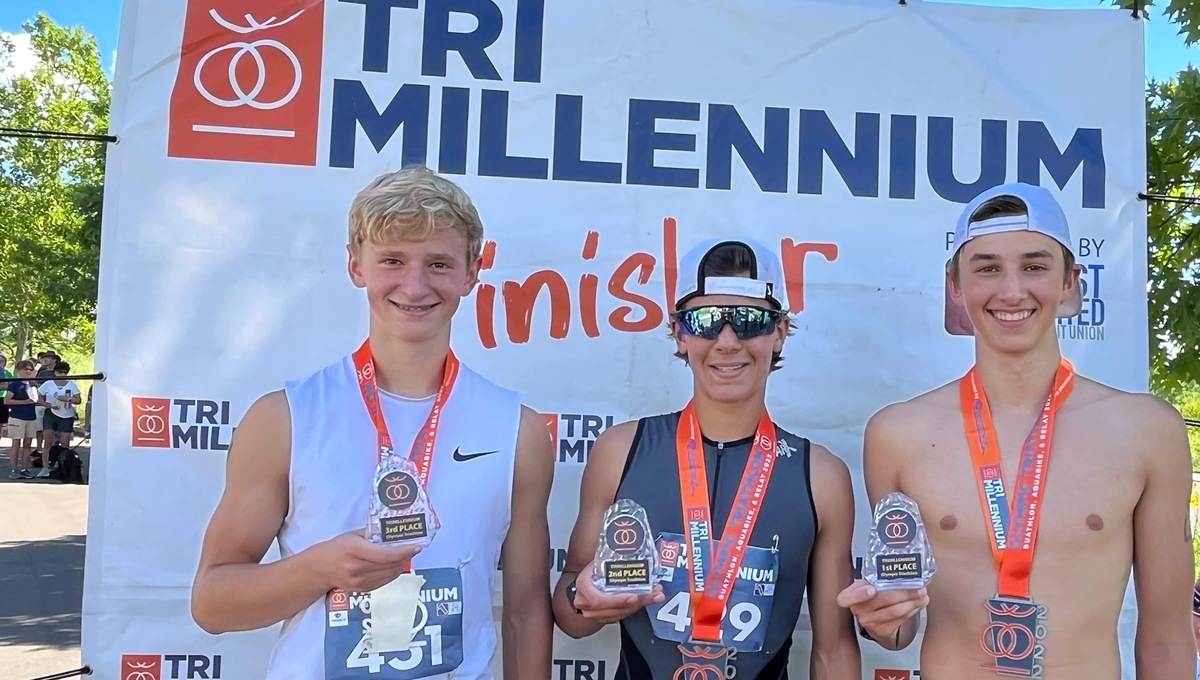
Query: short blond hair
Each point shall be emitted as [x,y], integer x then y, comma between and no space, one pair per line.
[409,204]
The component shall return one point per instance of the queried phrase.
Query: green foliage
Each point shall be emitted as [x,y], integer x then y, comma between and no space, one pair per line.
[50,191]
[1173,152]
[1173,160]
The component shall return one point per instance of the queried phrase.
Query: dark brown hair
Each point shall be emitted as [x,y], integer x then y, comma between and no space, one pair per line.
[1006,206]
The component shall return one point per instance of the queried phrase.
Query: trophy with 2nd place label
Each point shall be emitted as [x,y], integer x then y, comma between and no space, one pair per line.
[400,511]
[898,553]
[626,558]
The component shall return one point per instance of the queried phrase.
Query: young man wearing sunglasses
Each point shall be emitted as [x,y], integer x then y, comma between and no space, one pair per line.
[770,516]
[1021,442]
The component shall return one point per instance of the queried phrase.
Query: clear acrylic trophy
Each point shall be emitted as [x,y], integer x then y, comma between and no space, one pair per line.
[400,511]
[626,559]
[898,554]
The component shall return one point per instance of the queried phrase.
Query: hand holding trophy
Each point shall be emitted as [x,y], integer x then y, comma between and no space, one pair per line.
[626,558]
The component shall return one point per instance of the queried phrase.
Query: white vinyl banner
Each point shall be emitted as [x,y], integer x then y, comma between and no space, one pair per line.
[600,141]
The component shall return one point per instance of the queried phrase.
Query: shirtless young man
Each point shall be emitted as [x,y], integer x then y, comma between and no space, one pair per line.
[729,325]
[1114,496]
[302,468]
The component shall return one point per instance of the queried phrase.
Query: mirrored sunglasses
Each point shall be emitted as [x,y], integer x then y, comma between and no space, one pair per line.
[747,322]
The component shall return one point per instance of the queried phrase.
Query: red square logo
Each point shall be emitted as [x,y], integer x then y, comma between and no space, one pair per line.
[551,420]
[339,601]
[151,422]
[141,667]
[990,471]
[249,82]
[892,674]
[668,553]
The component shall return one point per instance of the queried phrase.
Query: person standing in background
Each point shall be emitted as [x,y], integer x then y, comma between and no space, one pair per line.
[5,376]
[22,428]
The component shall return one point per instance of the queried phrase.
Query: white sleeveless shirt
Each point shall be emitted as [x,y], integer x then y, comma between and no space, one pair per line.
[333,460]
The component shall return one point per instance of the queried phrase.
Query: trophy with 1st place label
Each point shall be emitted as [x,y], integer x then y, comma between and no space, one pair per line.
[898,553]
[400,511]
[626,559]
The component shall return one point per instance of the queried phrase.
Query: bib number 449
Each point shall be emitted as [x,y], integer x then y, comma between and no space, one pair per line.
[745,617]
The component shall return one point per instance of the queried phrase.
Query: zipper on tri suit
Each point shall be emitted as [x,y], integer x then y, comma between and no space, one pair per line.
[712,496]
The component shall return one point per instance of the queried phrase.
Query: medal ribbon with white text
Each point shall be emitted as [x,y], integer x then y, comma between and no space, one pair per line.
[1014,630]
[709,593]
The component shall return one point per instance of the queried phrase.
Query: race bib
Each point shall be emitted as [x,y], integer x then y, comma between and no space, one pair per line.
[744,624]
[436,648]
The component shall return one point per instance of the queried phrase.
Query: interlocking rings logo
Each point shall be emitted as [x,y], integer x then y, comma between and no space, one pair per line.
[141,667]
[151,422]
[250,98]
[896,529]
[625,535]
[249,89]
[701,662]
[397,490]
[1012,641]
[338,599]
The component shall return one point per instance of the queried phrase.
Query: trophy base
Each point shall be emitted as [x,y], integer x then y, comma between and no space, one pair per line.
[625,576]
[403,530]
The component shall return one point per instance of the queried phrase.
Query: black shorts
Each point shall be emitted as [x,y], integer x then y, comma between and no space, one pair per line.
[3,412]
[57,423]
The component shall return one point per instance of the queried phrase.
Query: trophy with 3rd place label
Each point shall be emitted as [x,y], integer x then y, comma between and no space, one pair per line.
[626,559]
[898,554]
[400,511]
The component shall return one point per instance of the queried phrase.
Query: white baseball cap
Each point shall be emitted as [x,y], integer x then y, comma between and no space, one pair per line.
[764,282]
[1043,215]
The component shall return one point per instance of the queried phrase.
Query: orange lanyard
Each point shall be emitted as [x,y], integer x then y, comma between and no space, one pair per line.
[1013,543]
[422,448]
[708,595]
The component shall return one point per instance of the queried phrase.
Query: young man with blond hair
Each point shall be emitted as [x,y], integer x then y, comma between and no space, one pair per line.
[303,467]
[769,514]
[1024,443]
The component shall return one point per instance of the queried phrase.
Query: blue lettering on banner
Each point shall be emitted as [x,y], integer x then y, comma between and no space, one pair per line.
[579,669]
[1089,323]
[761,139]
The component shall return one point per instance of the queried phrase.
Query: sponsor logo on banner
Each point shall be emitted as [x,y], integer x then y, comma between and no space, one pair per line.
[579,669]
[195,424]
[1089,324]
[574,434]
[249,82]
[170,667]
[893,674]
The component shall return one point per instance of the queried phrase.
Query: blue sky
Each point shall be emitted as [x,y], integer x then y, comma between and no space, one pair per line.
[1166,53]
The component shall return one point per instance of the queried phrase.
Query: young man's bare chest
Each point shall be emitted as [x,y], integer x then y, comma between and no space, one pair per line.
[1091,487]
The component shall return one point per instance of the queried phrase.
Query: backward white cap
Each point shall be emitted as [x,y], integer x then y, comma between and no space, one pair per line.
[765,281]
[1045,215]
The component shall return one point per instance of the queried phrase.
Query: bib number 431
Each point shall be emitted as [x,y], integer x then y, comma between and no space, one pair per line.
[405,660]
